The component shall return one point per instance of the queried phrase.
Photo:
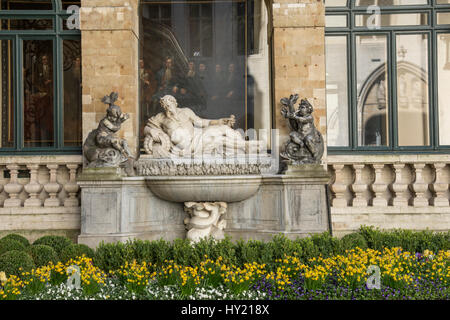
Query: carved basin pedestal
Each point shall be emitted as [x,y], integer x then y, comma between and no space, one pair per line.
[205,198]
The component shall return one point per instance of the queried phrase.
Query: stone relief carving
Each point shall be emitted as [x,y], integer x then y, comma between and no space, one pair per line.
[305,144]
[171,168]
[102,147]
[205,219]
[180,133]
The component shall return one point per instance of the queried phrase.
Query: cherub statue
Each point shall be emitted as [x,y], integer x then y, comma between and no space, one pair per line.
[102,147]
[306,142]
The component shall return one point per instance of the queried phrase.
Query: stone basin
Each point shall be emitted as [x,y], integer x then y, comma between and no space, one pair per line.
[232,188]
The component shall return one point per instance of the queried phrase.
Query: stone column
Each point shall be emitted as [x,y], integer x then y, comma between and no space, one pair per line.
[109,41]
[299,58]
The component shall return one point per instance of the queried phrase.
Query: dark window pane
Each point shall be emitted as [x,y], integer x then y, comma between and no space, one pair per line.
[209,69]
[6,94]
[72,92]
[194,10]
[38,93]
[26,5]
[67,3]
[27,24]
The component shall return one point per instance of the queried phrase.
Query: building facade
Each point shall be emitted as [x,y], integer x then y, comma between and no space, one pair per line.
[375,72]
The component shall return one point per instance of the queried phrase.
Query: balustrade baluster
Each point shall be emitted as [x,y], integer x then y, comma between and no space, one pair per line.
[359,187]
[419,186]
[52,188]
[13,188]
[33,188]
[440,186]
[71,186]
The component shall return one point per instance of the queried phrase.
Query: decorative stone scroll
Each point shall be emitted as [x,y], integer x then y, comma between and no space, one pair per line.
[205,220]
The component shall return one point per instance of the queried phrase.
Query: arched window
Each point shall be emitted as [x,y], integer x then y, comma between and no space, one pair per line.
[40,90]
[213,56]
[387,67]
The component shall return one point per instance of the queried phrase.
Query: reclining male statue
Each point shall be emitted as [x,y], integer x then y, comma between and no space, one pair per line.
[179,132]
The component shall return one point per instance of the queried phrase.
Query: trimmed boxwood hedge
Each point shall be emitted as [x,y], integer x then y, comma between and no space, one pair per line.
[15,262]
[18,237]
[56,242]
[111,256]
[76,250]
[10,244]
[42,254]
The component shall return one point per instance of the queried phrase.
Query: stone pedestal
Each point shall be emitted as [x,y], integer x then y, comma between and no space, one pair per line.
[294,204]
[117,208]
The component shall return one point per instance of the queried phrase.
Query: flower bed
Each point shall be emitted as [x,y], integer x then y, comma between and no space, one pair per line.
[402,274]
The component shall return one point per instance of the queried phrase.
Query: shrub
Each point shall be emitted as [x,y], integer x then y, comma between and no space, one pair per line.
[326,245]
[183,253]
[10,244]
[42,254]
[56,242]
[76,250]
[15,262]
[414,241]
[353,240]
[110,256]
[214,249]
[18,237]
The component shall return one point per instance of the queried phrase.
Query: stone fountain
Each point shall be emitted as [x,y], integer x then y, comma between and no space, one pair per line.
[199,178]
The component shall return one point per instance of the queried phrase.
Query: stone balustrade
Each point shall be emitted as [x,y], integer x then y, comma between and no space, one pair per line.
[390,191]
[40,193]
[400,182]
[39,181]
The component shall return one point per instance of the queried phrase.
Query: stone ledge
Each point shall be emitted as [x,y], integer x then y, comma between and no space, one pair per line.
[388,158]
[41,159]
[391,210]
[31,211]
[26,221]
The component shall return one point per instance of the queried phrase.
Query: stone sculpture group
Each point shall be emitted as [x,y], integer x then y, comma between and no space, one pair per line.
[178,133]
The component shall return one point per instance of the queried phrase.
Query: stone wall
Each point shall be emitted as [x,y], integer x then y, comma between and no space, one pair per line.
[299,57]
[109,46]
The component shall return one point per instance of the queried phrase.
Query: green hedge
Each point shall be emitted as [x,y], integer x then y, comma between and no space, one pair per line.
[17,237]
[111,256]
[76,250]
[42,254]
[15,262]
[56,242]
[7,244]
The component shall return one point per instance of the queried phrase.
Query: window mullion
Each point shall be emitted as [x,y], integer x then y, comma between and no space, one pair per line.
[392,94]
[57,92]
[432,89]
[353,110]
[19,101]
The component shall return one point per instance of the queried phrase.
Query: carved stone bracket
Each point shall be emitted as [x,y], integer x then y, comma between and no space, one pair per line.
[205,220]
